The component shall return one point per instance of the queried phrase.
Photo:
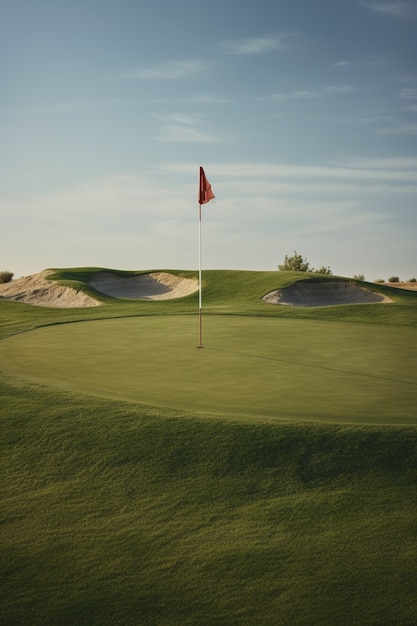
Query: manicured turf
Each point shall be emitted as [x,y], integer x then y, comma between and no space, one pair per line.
[144,513]
[117,514]
[271,368]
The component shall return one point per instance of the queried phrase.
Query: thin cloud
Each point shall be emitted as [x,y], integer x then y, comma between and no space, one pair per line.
[402,10]
[180,133]
[387,125]
[400,170]
[169,71]
[258,45]
[293,201]
[395,163]
[180,118]
[185,128]
[303,94]
[341,63]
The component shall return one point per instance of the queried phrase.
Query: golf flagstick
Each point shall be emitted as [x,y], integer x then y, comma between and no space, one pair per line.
[205,195]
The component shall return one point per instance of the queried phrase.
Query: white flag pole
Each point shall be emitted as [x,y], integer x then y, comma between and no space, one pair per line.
[200,293]
[205,195]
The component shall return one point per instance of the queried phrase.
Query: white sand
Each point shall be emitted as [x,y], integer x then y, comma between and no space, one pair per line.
[153,286]
[37,290]
[328,293]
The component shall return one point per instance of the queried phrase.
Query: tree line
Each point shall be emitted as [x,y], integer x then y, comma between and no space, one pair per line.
[297,263]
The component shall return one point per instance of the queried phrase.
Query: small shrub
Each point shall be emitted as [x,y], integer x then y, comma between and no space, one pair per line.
[413,280]
[5,277]
[362,277]
[393,279]
[294,263]
[297,263]
[324,270]
[379,280]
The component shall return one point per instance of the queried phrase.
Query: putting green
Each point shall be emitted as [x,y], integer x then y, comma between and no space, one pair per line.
[283,368]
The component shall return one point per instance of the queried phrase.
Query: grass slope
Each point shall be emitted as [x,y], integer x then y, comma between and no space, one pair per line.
[118,513]
[114,513]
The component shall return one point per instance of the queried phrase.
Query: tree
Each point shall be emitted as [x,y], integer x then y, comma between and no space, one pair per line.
[394,279]
[5,277]
[294,263]
[323,270]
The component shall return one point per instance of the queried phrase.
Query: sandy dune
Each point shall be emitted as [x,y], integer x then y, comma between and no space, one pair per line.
[153,286]
[328,293]
[37,290]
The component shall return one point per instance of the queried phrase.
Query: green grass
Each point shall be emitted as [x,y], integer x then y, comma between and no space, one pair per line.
[276,368]
[117,512]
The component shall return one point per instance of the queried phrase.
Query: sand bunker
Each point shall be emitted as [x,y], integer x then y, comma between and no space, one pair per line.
[153,286]
[328,293]
[37,290]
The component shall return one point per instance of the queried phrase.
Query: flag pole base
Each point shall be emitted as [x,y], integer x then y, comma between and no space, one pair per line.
[200,328]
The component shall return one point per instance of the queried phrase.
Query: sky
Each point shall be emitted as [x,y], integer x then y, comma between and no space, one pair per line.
[303,114]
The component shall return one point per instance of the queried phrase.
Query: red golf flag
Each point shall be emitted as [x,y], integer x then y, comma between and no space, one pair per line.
[206,193]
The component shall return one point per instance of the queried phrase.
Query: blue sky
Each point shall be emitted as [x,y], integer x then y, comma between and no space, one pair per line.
[302,112]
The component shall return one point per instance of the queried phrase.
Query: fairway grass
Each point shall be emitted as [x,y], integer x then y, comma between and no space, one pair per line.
[267,479]
[119,514]
[300,369]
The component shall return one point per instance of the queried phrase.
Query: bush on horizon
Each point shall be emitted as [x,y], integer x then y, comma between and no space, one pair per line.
[297,263]
[5,277]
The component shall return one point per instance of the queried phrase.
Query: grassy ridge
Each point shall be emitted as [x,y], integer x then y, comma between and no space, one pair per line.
[118,513]
[239,292]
